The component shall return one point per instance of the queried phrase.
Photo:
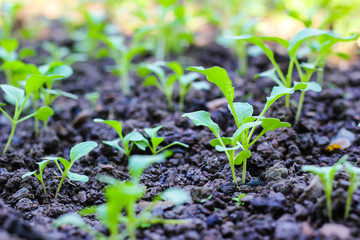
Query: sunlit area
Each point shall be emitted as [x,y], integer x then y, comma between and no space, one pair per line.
[179,119]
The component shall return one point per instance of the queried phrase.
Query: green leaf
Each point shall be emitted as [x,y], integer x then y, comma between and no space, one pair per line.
[225,140]
[77,177]
[176,67]
[188,78]
[44,113]
[26,52]
[271,73]
[300,37]
[114,143]
[9,44]
[152,132]
[115,124]
[16,95]
[276,93]
[223,149]
[134,136]
[176,196]
[156,141]
[43,164]
[70,219]
[281,41]
[219,77]
[202,118]
[138,163]
[243,155]
[81,149]
[307,86]
[64,162]
[35,82]
[150,81]
[242,110]
[28,174]
[270,124]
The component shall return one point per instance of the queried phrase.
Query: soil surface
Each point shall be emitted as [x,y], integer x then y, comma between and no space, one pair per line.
[281,202]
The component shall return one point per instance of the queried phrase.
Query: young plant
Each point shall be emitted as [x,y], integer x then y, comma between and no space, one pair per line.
[19,98]
[93,97]
[326,175]
[61,54]
[238,199]
[123,55]
[39,176]
[155,141]
[242,112]
[128,141]
[76,152]
[9,10]
[354,173]
[305,70]
[120,207]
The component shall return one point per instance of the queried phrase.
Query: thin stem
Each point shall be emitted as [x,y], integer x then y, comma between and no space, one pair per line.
[10,138]
[43,185]
[288,81]
[58,188]
[301,102]
[131,227]
[244,171]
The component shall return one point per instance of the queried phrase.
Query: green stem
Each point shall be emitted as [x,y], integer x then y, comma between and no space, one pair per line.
[231,104]
[288,81]
[43,185]
[301,101]
[36,121]
[131,227]
[10,138]
[328,204]
[244,171]
[58,188]
[320,77]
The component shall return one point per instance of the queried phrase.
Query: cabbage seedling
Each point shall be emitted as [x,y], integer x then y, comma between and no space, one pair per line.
[76,152]
[326,175]
[155,141]
[123,55]
[39,176]
[19,98]
[127,141]
[120,207]
[305,70]
[354,173]
[243,115]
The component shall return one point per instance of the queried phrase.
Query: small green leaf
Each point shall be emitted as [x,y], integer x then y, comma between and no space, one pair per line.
[114,143]
[225,140]
[64,162]
[156,141]
[43,164]
[271,73]
[28,174]
[307,86]
[9,44]
[202,118]
[243,155]
[270,124]
[16,95]
[276,93]
[223,149]
[26,52]
[138,163]
[242,110]
[44,113]
[242,128]
[176,196]
[300,37]
[81,149]
[77,177]
[115,124]
[176,67]
[35,82]
[219,77]
[152,132]
[150,81]
[70,219]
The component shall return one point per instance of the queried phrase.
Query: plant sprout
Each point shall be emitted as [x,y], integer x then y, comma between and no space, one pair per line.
[120,207]
[18,97]
[243,115]
[39,176]
[128,141]
[354,173]
[76,152]
[305,70]
[155,141]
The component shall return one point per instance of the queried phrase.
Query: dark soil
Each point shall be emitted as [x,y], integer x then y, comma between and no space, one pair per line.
[281,202]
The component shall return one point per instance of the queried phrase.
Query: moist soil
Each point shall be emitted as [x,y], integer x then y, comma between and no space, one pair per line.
[281,202]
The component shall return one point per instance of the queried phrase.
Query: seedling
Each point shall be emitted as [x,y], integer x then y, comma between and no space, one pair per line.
[305,70]
[354,173]
[78,151]
[39,176]
[128,142]
[326,175]
[204,200]
[61,54]
[9,10]
[123,55]
[155,141]
[18,97]
[238,199]
[93,97]
[120,207]
[243,115]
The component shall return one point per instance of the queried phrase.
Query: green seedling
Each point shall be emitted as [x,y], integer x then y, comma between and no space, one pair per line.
[120,207]
[61,54]
[93,97]
[326,40]
[76,152]
[238,199]
[39,176]
[326,175]
[19,98]
[9,10]
[204,200]
[128,141]
[123,56]
[155,141]
[354,173]
[243,115]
